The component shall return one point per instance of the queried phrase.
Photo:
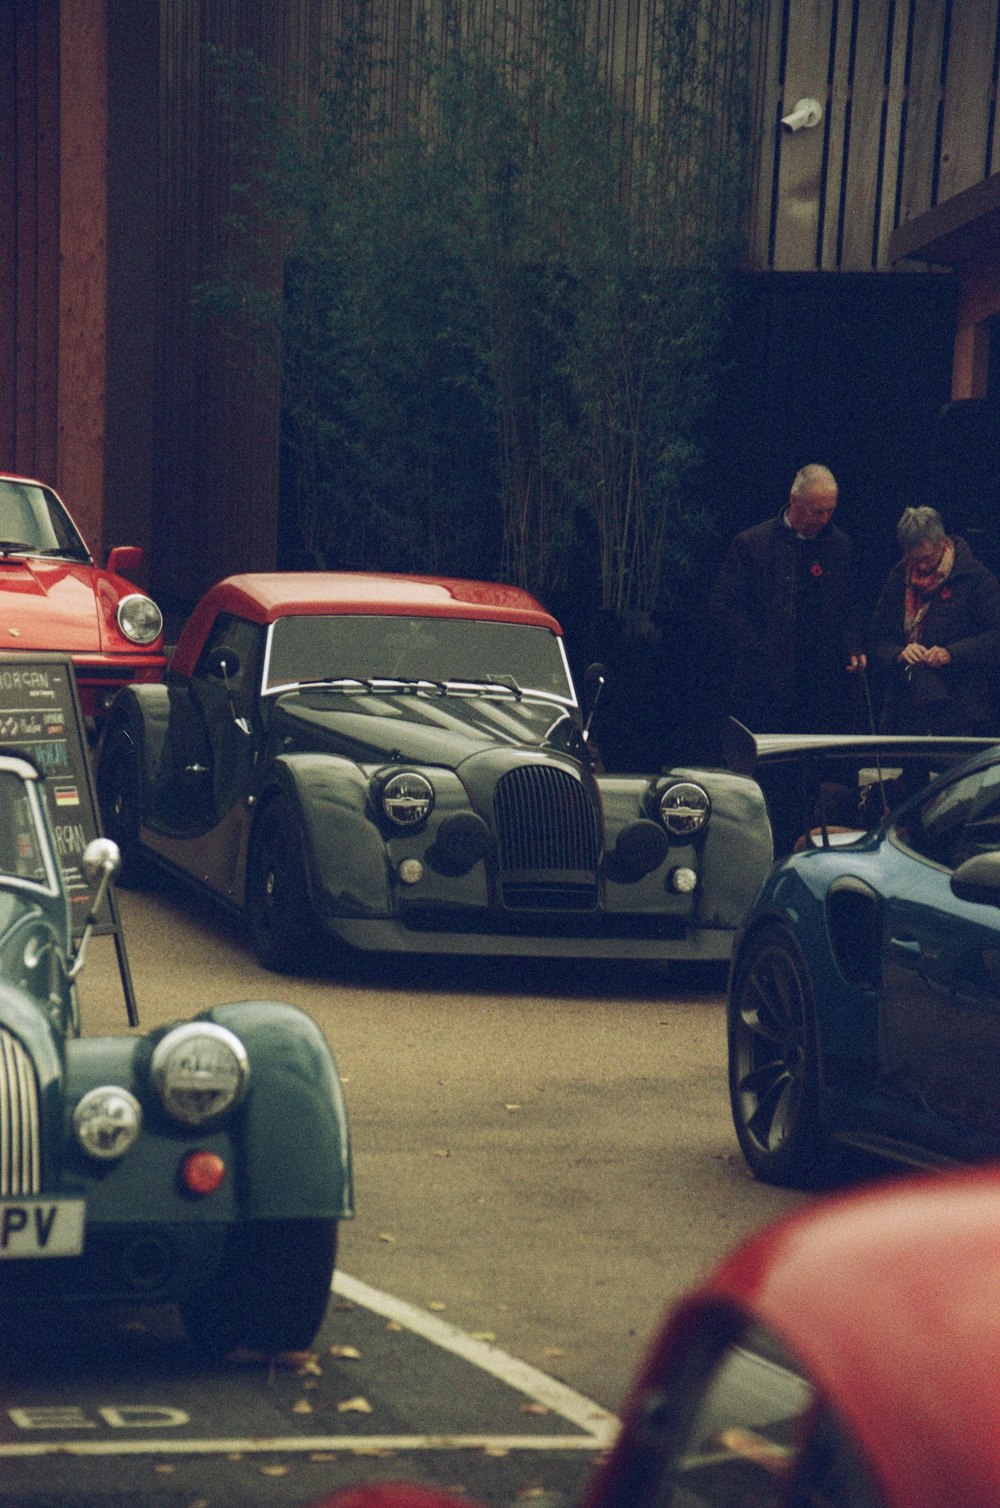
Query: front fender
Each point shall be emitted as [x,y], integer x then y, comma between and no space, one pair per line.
[296,1142]
[143,711]
[738,850]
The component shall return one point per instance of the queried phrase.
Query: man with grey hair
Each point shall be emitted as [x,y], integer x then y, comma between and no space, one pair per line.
[936,634]
[785,605]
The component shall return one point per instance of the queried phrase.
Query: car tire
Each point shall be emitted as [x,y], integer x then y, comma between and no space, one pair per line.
[119,796]
[773,1062]
[271,1289]
[282,931]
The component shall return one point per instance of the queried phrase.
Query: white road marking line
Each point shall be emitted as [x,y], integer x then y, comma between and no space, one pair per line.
[538,1386]
[598,1426]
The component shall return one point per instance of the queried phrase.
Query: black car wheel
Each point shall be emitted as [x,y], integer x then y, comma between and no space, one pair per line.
[119,795]
[277,902]
[773,1062]
[270,1292]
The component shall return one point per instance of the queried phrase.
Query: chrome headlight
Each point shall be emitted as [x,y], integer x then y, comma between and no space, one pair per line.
[140,619]
[200,1071]
[407,799]
[684,808]
[107,1122]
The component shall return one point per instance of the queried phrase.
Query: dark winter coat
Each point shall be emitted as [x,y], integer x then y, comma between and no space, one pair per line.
[964,618]
[786,612]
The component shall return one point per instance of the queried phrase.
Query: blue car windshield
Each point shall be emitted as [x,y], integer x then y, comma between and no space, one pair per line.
[387,647]
[34,522]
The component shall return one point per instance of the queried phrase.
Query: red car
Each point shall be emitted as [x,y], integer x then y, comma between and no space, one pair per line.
[54,598]
[844,1357]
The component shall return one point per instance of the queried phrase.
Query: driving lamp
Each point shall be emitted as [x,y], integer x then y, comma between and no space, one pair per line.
[107,1122]
[200,1071]
[684,808]
[407,799]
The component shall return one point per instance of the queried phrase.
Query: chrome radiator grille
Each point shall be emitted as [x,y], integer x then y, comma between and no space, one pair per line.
[20,1158]
[548,841]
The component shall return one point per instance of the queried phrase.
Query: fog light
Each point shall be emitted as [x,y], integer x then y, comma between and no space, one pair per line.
[683,880]
[203,1172]
[411,871]
[107,1122]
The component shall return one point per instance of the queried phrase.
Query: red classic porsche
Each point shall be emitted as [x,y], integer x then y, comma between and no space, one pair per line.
[844,1357]
[54,598]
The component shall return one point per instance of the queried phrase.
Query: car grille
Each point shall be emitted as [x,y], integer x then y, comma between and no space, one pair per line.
[20,1171]
[548,840]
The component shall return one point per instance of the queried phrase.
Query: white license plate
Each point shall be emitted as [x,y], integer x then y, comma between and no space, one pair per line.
[41,1227]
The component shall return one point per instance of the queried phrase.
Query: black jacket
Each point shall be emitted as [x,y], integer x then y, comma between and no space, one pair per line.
[786,612]
[964,618]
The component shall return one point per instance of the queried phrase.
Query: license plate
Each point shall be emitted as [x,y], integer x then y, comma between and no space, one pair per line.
[41,1227]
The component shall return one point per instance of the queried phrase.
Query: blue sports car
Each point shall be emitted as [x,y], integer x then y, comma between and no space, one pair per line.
[864,988]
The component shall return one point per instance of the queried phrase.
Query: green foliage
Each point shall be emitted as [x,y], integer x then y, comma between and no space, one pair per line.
[504,294]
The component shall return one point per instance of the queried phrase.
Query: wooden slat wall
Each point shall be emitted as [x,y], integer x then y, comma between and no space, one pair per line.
[910,99]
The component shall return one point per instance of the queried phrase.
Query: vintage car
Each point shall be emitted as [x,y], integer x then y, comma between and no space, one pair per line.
[864,990]
[841,1358]
[54,597]
[397,763]
[166,1168]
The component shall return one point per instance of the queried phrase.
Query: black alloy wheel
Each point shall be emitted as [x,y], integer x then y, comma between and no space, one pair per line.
[773,1062]
[119,795]
[277,902]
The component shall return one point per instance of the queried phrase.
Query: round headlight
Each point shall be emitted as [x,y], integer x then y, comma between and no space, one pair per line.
[407,799]
[200,1071]
[140,619]
[107,1122]
[684,808]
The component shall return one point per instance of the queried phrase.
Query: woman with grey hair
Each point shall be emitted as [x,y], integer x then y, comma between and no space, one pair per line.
[936,634]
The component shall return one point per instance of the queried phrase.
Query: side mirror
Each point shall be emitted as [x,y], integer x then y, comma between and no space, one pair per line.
[127,561]
[100,863]
[222,663]
[595,678]
[978,880]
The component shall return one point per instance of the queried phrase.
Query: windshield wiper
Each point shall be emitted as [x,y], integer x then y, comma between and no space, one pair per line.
[17,547]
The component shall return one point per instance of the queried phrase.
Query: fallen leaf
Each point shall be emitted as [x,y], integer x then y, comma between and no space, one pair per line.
[442,1152]
[303,1363]
[554,1351]
[302,1407]
[513,1107]
[323,1457]
[484,1335]
[437,1305]
[534,1408]
[274,1471]
[495,1450]
[394,1325]
[164,1468]
[354,1406]
[345,1353]
[384,1235]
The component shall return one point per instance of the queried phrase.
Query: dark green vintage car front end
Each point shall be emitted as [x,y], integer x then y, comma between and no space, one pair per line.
[156,1168]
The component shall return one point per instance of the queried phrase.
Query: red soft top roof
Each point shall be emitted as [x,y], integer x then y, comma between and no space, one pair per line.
[890,1299]
[266,596]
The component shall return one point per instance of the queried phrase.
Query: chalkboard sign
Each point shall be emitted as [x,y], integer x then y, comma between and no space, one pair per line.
[40,717]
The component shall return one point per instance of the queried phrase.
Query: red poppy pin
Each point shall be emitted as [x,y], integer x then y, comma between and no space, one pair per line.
[945,593]
[816,569]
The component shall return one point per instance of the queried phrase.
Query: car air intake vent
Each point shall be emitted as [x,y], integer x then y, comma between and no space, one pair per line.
[548,841]
[19,1126]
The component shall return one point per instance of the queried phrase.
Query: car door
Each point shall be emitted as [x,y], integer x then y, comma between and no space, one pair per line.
[940,1009]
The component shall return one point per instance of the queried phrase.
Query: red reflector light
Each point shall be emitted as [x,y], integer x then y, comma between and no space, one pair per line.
[202,1172]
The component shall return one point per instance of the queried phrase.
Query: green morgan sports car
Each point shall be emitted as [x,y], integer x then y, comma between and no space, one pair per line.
[401,764]
[166,1168]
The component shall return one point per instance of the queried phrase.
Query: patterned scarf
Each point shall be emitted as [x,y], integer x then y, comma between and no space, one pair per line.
[920,589]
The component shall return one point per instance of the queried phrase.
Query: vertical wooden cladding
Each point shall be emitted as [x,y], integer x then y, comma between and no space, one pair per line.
[29,235]
[910,99]
[218,426]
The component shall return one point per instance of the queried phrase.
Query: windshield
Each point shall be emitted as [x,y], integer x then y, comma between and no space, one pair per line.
[34,522]
[414,649]
[22,853]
